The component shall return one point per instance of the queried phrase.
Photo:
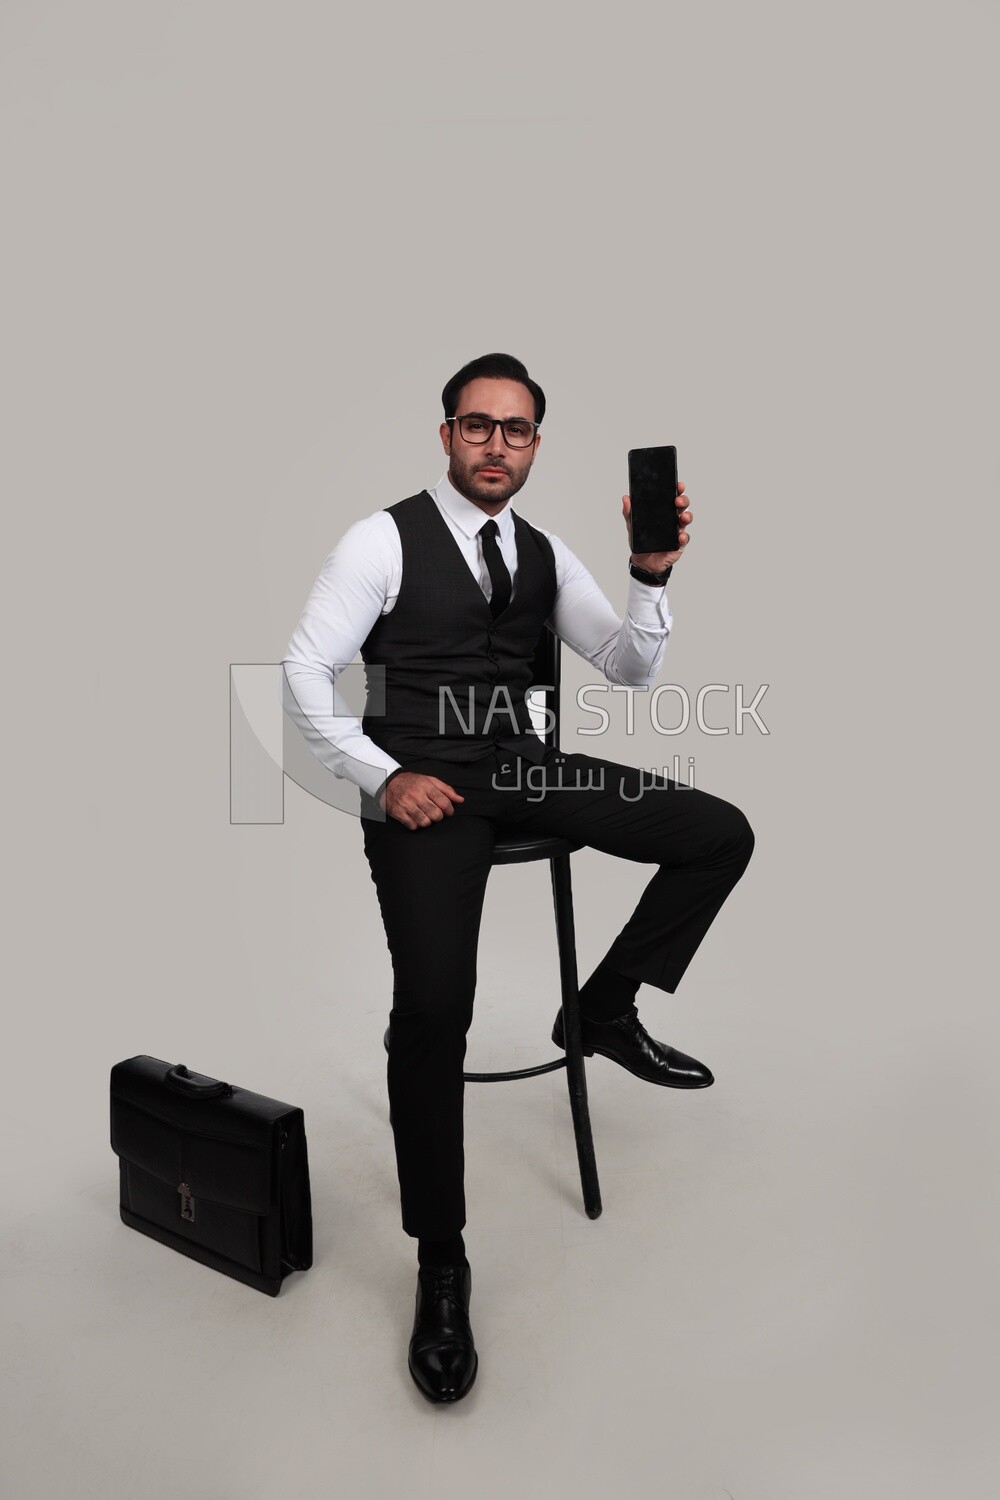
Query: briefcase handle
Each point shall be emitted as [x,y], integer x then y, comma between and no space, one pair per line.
[198,1084]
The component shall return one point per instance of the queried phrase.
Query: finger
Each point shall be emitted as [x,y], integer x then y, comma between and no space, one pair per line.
[437,804]
[409,814]
[440,807]
[446,788]
[430,807]
[680,486]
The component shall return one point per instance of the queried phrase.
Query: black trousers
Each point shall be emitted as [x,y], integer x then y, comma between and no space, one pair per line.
[431,883]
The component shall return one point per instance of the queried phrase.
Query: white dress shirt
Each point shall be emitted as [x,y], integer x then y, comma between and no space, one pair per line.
[360,580]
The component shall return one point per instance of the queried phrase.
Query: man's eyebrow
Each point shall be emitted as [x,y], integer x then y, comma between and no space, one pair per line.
[486,414]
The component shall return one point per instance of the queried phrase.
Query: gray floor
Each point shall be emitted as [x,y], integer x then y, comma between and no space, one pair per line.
[770,1305]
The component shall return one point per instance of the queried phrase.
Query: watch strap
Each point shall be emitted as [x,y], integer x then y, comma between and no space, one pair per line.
[644,575]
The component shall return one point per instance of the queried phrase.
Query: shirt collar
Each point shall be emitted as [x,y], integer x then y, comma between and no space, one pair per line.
[468,517]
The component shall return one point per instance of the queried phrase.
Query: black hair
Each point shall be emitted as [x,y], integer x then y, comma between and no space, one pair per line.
[496,367]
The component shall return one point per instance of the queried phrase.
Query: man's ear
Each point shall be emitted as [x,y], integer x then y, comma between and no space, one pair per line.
[445,431]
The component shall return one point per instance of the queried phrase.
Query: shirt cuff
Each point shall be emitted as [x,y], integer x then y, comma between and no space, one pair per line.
[647,605]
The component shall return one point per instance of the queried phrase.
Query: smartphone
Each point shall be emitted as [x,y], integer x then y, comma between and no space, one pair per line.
[652,488]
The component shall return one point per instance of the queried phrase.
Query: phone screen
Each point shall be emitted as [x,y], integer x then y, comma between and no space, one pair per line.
[652,487]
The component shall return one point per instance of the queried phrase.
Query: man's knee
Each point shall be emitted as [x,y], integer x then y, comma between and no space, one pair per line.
[727,831]
[739,834]
[434,1007]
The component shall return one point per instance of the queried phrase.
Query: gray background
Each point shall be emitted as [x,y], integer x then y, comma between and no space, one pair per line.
[245,245]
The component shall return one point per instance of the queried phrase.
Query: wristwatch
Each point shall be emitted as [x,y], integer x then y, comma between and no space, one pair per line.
[644,576]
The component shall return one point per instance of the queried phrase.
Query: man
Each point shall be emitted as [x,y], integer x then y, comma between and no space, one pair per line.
[448,592]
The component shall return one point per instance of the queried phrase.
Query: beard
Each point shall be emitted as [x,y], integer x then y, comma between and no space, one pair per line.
[463,475]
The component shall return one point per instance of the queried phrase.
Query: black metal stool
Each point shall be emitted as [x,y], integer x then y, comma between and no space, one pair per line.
[511,849]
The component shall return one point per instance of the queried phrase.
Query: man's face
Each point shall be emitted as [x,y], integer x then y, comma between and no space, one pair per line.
[470,463]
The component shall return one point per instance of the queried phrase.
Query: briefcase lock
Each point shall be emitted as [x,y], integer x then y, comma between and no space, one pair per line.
[187,1202]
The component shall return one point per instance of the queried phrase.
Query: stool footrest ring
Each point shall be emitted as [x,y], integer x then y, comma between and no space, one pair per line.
[560,1062]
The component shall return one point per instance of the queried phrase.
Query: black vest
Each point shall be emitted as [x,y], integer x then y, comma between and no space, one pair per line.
[455,678]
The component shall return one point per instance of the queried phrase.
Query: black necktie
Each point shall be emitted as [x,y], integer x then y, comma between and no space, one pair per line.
[499,577]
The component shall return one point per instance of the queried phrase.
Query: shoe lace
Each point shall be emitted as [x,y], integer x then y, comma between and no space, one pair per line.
[441,1281]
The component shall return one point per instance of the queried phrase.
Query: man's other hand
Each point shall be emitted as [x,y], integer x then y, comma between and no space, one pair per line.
[658,562]
[417,801]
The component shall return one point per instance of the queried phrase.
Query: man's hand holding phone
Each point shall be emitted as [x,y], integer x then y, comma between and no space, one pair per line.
[657,562]
[417,801]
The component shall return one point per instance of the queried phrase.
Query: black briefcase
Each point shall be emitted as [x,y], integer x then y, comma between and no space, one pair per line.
[214,1171]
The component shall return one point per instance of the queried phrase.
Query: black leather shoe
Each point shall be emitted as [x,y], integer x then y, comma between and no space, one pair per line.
[442,1358]
[625,1040]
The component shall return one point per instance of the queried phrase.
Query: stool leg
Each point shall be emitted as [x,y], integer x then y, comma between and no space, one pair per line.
[576,1078]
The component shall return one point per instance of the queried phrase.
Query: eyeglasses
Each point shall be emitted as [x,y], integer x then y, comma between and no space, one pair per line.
[477,427]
